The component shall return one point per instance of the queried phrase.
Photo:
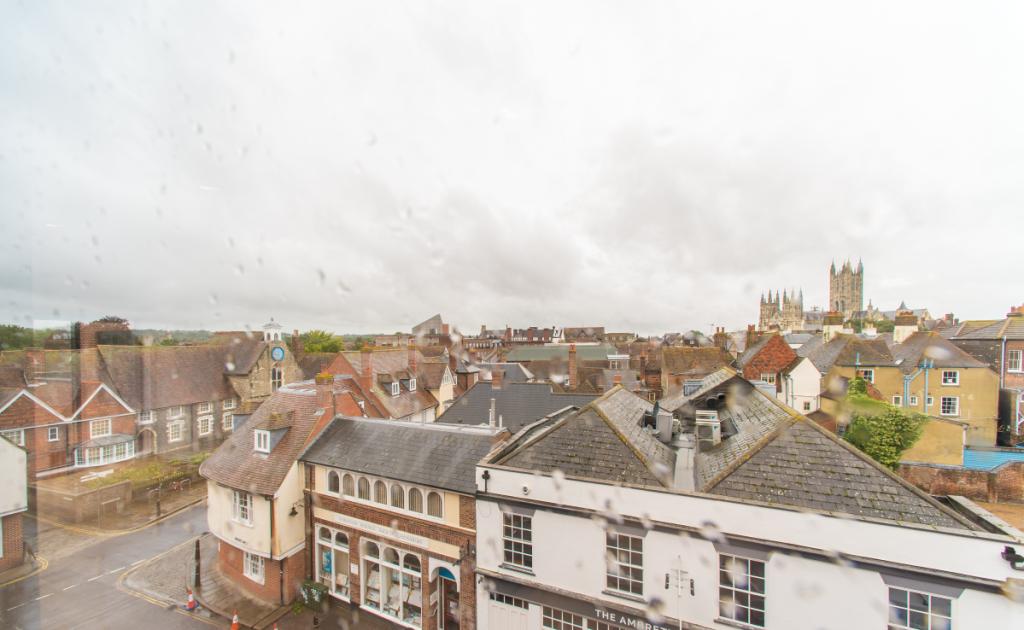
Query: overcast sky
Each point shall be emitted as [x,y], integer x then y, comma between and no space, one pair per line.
[645,166]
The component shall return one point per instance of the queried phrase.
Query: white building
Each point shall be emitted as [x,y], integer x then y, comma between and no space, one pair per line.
[734,512]
[801,385]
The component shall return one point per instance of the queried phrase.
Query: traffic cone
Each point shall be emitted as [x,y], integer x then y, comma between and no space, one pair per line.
[191,604]
[234,622]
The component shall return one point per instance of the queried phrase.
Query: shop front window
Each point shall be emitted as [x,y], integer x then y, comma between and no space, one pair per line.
[333,560]
[393,583]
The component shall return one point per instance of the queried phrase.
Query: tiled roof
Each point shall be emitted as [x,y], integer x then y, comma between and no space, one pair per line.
[942,352]
[711,381]
[236,464]
[805,466]
[438,456]
[694,362]
[154,377]
[603,440]
[430,374]
[518,404]
[866,352]
[754,348]
[312,363]
[1008,328]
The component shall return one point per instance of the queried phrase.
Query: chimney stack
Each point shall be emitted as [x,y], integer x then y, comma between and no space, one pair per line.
[325,393]
[89,365]
[35,364]
[497,377]
[412,357]
[616,379]
[296,342]
[366,367]
[492,416]
[751,335]
[573,378]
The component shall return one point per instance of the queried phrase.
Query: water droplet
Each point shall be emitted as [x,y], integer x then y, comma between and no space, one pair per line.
[710,531]
[213,299]
[342,289]
[229,366]
[239,270]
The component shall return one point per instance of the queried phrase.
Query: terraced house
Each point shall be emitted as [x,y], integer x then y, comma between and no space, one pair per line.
[728,510]
[393,518]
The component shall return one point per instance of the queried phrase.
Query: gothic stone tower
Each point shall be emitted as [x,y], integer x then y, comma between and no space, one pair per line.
[784,310]
[846,289]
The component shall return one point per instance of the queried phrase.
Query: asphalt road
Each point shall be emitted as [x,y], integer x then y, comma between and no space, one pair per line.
[80,590]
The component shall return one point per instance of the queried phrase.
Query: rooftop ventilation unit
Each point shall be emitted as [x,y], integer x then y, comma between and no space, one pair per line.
[709,429]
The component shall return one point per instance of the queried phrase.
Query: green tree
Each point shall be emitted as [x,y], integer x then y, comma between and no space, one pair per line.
[878,429]
[885,326]
[320,341]
[14,337]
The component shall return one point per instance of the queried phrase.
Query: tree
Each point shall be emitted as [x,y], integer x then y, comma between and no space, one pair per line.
[320,341]
[885,326]
[880,430]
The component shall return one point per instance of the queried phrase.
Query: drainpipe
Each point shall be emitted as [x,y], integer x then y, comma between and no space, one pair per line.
[1002,364]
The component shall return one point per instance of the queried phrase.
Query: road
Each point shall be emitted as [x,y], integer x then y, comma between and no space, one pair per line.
[80,590]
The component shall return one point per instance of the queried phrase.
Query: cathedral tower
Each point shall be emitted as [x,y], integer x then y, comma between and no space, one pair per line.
[846,289]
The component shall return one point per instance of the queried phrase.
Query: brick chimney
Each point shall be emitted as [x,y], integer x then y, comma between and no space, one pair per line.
[296,343]
[325,393]
[1016,311]
[497,378]
[616,380]
[751,335]
[573,378]
[35,363]
[412,357]
[831,325]
[643,366]
[89,365]
[720,338]
[366,368]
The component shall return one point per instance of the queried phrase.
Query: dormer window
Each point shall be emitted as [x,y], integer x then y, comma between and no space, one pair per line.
[262,441]
[412,384]
[395,388]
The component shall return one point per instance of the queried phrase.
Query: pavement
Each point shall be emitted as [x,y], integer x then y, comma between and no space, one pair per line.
[79,589]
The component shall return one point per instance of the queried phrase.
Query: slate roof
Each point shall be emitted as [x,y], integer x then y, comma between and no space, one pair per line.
[694,362]
[716,378]
[438,456]
[518,404]
[389,364]
[602,440]
[848,350]
[803,465]
[942,352]
[236,464]
[514,372]
[540,353]
[312,363]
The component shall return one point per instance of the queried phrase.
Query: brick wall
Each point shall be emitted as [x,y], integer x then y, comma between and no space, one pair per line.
[13,545]
[434,531]
[775,355]
[230,563]
[1004,484]
[42,454]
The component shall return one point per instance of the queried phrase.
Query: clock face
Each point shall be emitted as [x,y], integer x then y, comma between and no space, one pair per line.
[277,353]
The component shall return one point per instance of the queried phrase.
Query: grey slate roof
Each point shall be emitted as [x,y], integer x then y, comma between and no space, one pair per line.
[671,403]
[805,466]
[603,440]
[1009,328]
[436,456]
[518,404]
[514,372]
[597,352]
[942,352]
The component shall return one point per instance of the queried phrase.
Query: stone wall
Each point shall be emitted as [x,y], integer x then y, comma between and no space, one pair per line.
[77,507]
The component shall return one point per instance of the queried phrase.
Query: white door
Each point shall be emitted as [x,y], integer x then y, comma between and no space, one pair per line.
[506,617]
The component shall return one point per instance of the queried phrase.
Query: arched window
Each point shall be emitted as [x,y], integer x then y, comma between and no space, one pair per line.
[333,482]
[380,492]
[364,488]
[341,540]
[416,500]
[434,504]
[411,562]
[390,555]
[397,496]
[347,485]
[324,534]
[275,378]
[371,550]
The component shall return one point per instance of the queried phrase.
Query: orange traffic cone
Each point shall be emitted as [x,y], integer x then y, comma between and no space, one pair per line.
[234,622]
[191,604]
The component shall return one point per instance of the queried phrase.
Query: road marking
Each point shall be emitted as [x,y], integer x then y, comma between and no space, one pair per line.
[68,588]
[137,562]
[96,578]
[115,570]
[18,606]
[42,597]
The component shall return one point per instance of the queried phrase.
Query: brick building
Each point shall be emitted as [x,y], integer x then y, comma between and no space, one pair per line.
[13,503]
[393,518]
[1000,343]
[765,359]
